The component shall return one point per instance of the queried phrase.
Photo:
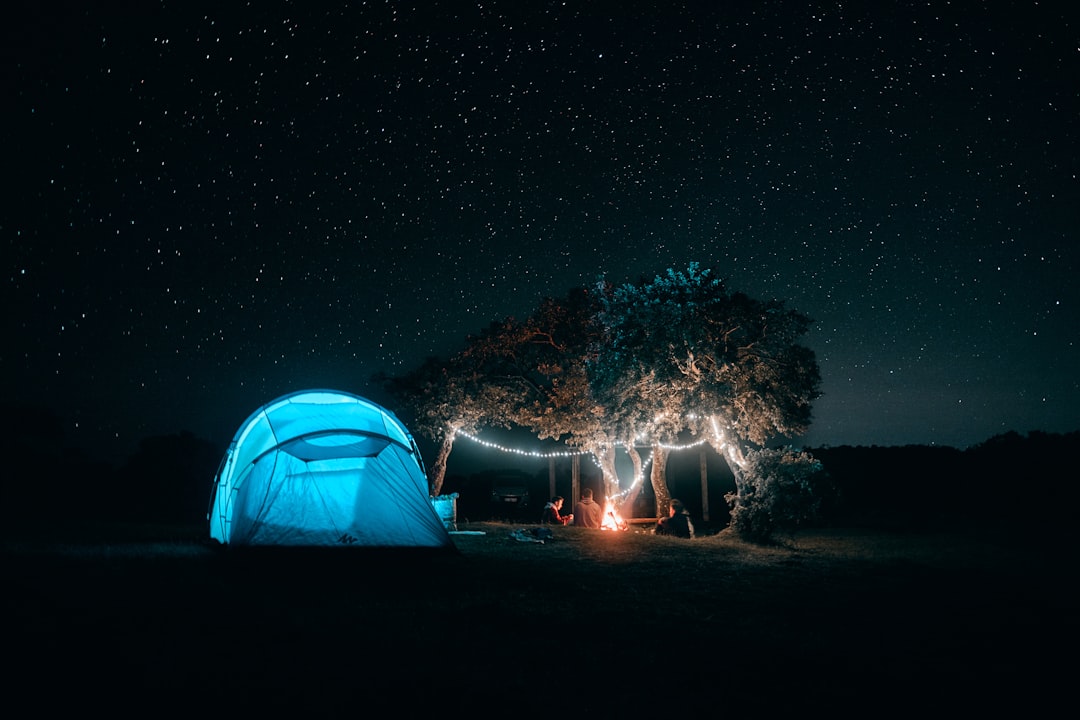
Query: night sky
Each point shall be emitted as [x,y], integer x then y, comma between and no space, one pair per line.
[208,205]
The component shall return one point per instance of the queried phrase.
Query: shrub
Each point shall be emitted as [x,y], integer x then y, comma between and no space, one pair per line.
[781,491]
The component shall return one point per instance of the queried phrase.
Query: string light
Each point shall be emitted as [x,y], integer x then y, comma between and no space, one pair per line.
[682,447]
[638,480]
[565,453]
[516,451]
[570,453]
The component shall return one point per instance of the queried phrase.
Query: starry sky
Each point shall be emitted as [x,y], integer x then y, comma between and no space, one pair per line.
[208,205]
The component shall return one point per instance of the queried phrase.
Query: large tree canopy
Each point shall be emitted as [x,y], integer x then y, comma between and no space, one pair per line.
[540,363]
[683,353]
[609,366]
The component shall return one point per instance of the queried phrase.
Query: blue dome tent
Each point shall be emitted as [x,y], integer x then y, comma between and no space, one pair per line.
[324,468]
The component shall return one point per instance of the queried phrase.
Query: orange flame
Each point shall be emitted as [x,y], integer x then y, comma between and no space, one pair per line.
[612,520]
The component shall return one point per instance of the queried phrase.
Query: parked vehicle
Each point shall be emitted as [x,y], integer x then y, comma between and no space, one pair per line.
[509,494]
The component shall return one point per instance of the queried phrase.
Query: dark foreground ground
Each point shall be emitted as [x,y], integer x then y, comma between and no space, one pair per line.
[842,623]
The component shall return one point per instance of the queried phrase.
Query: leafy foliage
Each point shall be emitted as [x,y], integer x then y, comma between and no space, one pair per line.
[690,349]
[539,364]
[683,353]
[441,397]
[783,490]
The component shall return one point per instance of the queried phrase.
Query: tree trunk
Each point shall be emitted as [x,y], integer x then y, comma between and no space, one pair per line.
[737,462]
[735,459]
[635,488]
[437,471]
[658,476]
[606,458]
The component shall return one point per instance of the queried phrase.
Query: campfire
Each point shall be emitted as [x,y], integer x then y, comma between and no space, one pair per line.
[612,520]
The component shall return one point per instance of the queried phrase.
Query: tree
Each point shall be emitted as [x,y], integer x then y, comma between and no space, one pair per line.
[540,362]
[169,479]
[681,353]
[443,397]
[782,491]
[597,369]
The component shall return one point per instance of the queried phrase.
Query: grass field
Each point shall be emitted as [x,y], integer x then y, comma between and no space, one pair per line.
[157,623]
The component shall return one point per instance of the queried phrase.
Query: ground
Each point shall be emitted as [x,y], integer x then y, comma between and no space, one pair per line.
[840,621]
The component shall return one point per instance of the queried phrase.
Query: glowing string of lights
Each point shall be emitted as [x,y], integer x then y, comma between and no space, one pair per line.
[564,453]
[516,451]
[570,453]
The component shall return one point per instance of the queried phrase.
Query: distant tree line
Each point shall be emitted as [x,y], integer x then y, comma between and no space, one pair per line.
[1010,481]
[1013,481]
[51,484]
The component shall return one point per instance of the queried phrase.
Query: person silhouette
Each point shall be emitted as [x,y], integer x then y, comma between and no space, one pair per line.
[553,513]
[677,523]
[587,512]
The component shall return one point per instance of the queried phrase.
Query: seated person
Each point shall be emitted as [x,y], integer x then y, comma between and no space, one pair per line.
[553,513]
[677,523]
[587,512]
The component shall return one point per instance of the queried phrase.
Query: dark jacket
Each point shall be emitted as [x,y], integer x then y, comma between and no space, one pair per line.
[678,525]
[552,516]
